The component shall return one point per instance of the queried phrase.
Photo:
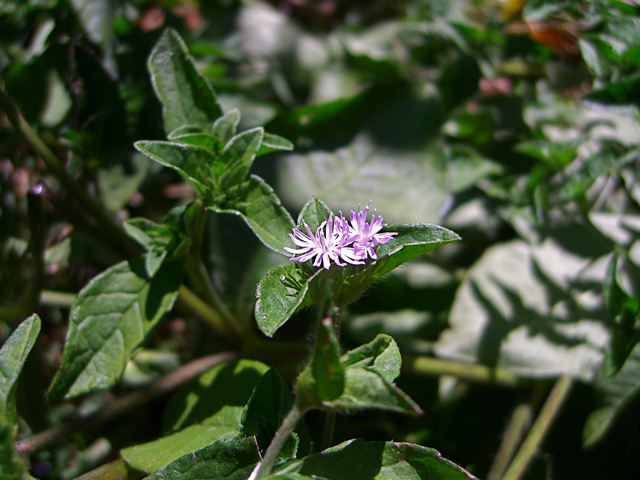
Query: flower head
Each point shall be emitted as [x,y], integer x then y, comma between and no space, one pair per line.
[337,241]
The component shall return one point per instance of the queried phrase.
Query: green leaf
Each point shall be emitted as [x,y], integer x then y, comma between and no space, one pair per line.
[313,213]
[96,19]
[381,353]
[506,311]
[281,292]
[359,460]
[618,391]
[204,140]
[274,143]
[194,163]
[186,96]
[224,128]
[230,460]
[623,92]
[151,456]
[229,384]
[237,158]
[326,367]
[110,319]
[270,402]
[13,354]
[12,466]
[263,212]
[368,375]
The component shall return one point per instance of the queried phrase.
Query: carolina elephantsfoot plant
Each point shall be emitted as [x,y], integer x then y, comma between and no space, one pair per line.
[332,261]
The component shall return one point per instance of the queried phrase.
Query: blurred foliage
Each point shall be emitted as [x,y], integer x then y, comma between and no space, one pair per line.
[514,123]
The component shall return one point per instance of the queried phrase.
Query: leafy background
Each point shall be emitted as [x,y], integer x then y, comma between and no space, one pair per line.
[513,123]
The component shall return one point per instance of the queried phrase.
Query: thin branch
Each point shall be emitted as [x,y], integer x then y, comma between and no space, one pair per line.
[473,373]
[124,404]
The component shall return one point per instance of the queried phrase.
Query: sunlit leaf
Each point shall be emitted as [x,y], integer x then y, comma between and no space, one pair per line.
[186,97]
[111,318]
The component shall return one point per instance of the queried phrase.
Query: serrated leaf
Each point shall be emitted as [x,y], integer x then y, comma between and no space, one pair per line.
[270,401]
[618,392]
[359,460]
[151,456]
[110,318]
[230,460]
[226,126]
[13,355]
[186,96]
[263,212]
[229,384]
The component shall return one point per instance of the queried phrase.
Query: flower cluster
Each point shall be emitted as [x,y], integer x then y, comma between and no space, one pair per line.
[340,241]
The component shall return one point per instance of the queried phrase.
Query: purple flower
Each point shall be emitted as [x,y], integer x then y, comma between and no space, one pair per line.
[337,241]
[365,235]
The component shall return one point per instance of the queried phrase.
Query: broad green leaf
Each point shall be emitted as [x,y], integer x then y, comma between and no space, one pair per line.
[515,310]
[13,354]
[224,128]
[270,402]
[110,319]
[229,384]
[326,366]
[412,241]
[194,163]
[623,92]
[263,212]
[618,391]
[151,456]
[153,237]
[186,97]
[359,460]
[229,460]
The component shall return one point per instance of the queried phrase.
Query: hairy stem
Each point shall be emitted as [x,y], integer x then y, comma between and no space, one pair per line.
[263,469]
[540,427]
[124,404]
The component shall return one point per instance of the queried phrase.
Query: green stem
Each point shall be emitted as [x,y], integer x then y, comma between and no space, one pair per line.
[199,275]
[518,424]
[57,299]
[330,417]
[263,469]
[540,427]
[110,226]
[474,373]
[203,310]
